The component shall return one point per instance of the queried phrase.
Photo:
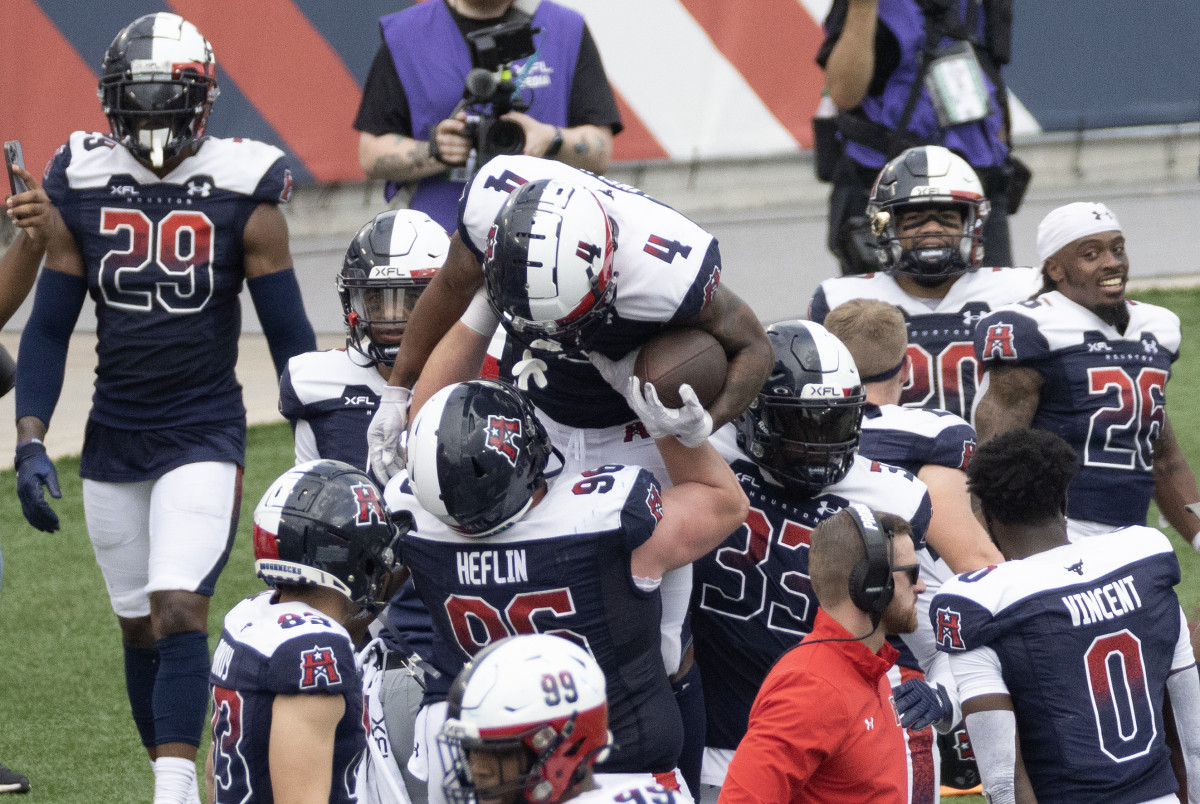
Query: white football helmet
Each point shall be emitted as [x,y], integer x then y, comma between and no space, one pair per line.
[389,263]
[926,175]
[535,692]
[549,264]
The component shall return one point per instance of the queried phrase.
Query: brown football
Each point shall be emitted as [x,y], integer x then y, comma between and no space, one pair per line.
[683,355]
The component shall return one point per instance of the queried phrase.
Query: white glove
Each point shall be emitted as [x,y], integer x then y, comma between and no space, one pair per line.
[529,367]
[616,372]
[691,423]
[385,447]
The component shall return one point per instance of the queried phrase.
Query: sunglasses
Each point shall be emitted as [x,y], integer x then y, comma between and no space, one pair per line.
[913,571]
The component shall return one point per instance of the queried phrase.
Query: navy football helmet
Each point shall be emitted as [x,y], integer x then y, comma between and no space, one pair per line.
[387,267]
[323,523]
[803,427]
[925,176]
[476,455]
[158,82]
[549,265]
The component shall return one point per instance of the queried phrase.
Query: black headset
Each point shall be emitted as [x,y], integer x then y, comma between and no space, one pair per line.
[871,582]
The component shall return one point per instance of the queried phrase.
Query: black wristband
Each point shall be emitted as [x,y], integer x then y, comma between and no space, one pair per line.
[555,144]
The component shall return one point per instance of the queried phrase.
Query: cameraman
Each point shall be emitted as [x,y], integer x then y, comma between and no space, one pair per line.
[417,80]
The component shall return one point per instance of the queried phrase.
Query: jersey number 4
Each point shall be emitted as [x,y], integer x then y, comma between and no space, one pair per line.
[179,252]
[1123,436]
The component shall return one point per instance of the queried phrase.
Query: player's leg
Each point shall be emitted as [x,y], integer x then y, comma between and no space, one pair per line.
[117,516]
[193,519]
[401,695]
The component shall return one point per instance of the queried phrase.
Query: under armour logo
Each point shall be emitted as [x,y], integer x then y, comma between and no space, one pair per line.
[1149,346]
[825,509]
[970,319]
[1100,213]
[200,188]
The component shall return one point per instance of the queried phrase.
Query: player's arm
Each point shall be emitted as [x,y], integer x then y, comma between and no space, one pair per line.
[1009,401]
[1183,691]
[851,62]
[705,505]
[731,321]
[1175,485]
[953,530]
[301,750]
[267,262]
[458,357]
[37,220]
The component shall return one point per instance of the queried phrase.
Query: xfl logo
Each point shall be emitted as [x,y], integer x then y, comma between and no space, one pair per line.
[318,667]
[370,507]
[999,343]
[502,434]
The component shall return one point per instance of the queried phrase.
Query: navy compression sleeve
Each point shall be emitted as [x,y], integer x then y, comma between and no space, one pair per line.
[280,309]
[43,353]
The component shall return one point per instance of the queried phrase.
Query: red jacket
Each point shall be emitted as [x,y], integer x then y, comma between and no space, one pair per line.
[823,728]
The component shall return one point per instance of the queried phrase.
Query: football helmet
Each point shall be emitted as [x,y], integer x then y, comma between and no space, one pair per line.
[390,261]
[476,455]
[535,692]
[323,523]
[803,427]
[158,82]
[928,175]
[549,264]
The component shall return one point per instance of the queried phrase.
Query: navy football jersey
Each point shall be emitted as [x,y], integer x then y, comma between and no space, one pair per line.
[666,269]
[1104,393]
[752,599]
[270,649]
[911,438]
[164,267]
[945,375]
[1086,635]
[330,397]
[563,569]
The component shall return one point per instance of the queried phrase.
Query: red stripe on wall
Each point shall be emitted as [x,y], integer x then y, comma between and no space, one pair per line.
[47,90]
[635,142]
[774,49]
[291,74]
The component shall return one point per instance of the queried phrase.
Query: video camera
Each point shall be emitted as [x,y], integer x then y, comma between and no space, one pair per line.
[490,91]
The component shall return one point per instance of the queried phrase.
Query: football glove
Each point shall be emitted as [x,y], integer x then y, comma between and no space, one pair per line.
[35,470]
[385,446]
[691,423]
[616,372]
[922,705]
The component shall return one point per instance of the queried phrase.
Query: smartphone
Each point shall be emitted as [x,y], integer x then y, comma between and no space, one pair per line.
[13,156]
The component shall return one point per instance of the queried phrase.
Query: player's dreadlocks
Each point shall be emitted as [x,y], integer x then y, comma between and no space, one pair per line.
[1021,476]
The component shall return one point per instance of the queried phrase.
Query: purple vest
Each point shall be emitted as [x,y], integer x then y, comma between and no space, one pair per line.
[980,142]
[432,60]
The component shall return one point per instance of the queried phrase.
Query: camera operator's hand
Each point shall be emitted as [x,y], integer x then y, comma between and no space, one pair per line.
[538,135]
[448,145]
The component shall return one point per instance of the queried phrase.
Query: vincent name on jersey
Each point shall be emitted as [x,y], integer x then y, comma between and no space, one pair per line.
[483,567]
[1105,602]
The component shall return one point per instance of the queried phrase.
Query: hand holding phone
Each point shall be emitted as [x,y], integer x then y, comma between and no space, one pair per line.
[13,157]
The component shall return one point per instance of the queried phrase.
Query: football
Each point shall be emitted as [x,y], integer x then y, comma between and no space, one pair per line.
[683,355]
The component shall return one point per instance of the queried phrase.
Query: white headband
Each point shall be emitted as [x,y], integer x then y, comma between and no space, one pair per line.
[1071,222]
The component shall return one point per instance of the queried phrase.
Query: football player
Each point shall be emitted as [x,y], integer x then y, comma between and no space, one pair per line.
[163,226]
[1084,362]
[500,548]
[287,702]
[329,396]
[575,262]
[928,210]
[527,721]
[936,446]
[795,453]
[1063,653]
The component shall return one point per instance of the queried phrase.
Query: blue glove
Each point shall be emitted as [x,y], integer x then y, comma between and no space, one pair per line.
[921,705]
[35,470]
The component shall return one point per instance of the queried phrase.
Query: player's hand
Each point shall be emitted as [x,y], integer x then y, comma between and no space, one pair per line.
[616,372]
[691,423]
[385,447]
[35,470]
[922,705]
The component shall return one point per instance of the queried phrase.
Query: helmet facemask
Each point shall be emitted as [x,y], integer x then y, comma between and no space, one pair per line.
[806,446]
[377,312]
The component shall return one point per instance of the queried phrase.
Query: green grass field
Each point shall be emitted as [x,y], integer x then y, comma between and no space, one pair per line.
[64,717]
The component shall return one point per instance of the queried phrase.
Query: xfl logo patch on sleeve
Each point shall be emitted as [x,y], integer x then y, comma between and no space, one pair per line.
[318,668]
[999,343]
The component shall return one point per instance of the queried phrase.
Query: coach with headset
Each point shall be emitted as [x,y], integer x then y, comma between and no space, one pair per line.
[823,727]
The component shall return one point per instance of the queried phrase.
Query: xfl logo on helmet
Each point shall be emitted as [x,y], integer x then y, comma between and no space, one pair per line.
[370,508]
[502,434]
